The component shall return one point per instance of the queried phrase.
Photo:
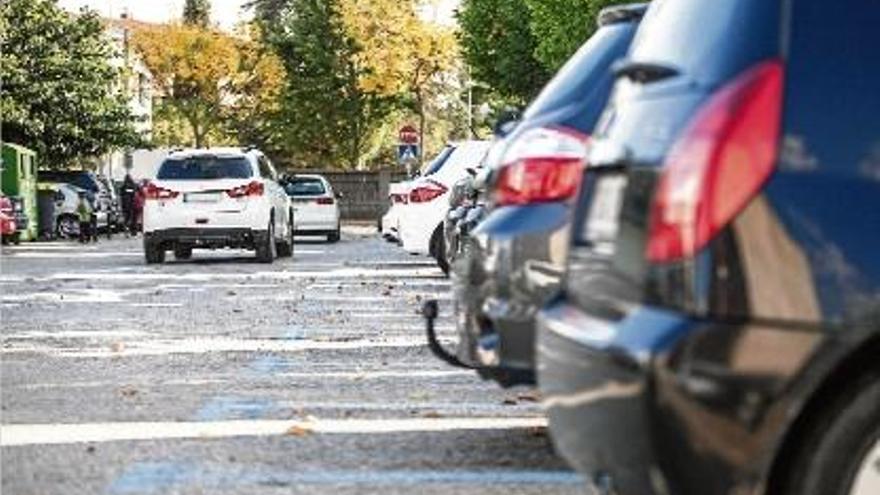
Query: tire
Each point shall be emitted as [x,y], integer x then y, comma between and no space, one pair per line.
[438,249]
[266,250]
[334,237]
[183,253]
[67,227]
[285,247]
[16,238]
[823,464]
[153,253]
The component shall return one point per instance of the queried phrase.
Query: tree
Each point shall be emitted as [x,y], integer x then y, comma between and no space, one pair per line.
[500,48]
[253,114]
[58,95]
[562,26]
[400,54]
[197,13]
[328,115]
[193,70]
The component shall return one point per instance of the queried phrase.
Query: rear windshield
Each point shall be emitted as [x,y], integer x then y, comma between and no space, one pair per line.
[708,42]
[437,163]
[205,167]
[306,187]
[81,180]
[584,70]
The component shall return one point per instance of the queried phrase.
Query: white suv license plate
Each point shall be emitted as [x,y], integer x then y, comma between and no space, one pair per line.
[201,197]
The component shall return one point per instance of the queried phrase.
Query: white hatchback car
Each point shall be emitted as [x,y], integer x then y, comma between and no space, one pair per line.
[315,206]
[421,219]
[215,198]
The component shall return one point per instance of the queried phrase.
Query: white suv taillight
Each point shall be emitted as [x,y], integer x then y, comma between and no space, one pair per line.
[253,188]
[426,191]
[541,165]
[152,191]
[718,165]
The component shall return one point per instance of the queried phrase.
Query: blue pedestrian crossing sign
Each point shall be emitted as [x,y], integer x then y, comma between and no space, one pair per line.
[407,153]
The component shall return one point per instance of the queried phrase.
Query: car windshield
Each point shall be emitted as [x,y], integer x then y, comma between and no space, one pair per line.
[81,180]
[306,187]
[205,167]
[437,163]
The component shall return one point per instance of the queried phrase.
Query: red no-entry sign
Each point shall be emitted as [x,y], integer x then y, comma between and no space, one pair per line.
[408,135]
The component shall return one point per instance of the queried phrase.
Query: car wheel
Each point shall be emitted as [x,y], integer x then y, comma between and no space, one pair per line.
[16,238]
[183,253]
[438,249]
[266,249]
[851,426]
[153,252]
[285,247]
[68,227]
[335,236]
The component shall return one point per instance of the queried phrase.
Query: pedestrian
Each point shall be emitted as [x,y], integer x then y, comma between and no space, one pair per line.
[84,215]
[129,191]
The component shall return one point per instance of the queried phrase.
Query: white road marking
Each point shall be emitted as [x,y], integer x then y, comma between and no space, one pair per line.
[75,334]
[209,345]
[56,434]
[74,296]
[156,305]
[277,275]
[66,255]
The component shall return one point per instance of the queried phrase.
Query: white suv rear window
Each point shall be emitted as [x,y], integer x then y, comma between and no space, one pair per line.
[205,167]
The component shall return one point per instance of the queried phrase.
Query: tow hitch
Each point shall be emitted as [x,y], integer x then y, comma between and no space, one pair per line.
[429,312]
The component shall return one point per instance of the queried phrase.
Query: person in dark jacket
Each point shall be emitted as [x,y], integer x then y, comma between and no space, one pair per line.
[128,193]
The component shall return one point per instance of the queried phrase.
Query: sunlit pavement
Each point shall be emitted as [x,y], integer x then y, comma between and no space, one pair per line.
[222,375]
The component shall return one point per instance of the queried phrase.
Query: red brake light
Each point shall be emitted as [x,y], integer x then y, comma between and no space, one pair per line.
[542,165]
[426,191]
[253,188]
[719,163]
[325,201]
[152,191]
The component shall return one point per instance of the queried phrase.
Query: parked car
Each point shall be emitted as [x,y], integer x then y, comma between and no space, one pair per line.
[65,200]
[517,253]
[421,218]
[389,225]
[99,193]
[215,198]
[8,229]
[719,330]
[315,206]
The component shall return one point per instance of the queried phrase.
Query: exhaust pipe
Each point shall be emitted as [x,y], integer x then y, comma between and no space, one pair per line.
[429,313]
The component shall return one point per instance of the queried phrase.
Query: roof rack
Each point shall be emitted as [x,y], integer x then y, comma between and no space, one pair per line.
[622,13]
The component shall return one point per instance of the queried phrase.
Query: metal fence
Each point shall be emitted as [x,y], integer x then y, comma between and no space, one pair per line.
[364,194]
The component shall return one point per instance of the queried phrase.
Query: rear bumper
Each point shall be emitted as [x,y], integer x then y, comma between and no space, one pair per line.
[207,237]
[515,265]
[596,381]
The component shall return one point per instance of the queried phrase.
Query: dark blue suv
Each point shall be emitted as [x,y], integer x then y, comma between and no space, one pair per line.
[517,254]
[719,331]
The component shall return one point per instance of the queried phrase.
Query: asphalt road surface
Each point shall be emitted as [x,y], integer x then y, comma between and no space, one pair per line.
[221,375]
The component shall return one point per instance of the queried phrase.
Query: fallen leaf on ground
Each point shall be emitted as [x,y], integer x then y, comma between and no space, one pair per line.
[299,430]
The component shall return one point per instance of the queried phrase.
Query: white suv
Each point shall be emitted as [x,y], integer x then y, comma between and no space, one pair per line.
[215,198]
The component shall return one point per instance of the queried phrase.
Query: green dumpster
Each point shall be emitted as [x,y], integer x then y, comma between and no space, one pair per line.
[19,180]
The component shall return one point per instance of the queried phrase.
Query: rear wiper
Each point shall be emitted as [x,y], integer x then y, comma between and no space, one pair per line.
[643,72]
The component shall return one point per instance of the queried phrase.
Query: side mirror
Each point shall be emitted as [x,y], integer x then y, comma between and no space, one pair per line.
[339,195]
[472,172]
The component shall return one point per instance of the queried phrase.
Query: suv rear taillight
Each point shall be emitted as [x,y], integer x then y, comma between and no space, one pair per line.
[718,165]
[152,191]
[541,165]
[253,188]
[426,191]
[325,201]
